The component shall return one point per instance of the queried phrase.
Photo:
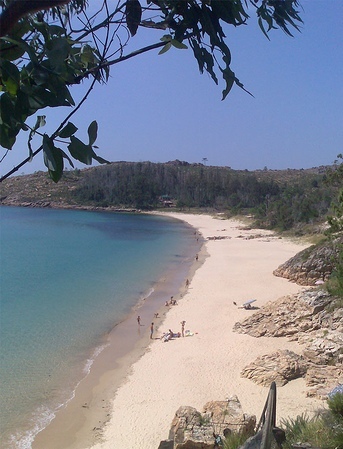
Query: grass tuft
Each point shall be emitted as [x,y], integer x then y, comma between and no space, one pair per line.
[323,431]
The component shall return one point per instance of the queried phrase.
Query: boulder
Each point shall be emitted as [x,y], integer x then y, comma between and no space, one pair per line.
[279,367]
[322,379]
[314,319]
[191,429]
[312,264]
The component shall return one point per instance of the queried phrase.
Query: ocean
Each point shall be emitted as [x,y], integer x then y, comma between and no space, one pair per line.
[67,278]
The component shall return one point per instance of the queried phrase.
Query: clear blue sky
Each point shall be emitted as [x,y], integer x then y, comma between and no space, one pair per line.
[159,108]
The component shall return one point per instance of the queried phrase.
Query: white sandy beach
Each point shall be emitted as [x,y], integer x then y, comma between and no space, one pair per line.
[207,365]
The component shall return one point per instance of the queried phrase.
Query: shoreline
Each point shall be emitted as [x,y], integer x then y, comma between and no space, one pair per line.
[78,423]
[192,371]
[137,398]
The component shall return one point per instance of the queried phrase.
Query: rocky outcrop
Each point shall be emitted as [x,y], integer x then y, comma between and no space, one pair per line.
[290,315]
[312,264]
[191,429]
[322,379]
[279,367]
[314,319]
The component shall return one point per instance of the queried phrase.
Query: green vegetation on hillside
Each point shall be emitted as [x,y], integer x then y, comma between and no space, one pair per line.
[277,199]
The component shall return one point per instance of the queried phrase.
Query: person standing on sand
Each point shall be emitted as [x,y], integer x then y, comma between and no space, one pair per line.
[151,330]
[183,328]
[139,320]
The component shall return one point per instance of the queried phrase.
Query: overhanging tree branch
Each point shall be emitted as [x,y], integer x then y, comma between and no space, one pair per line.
[43,55]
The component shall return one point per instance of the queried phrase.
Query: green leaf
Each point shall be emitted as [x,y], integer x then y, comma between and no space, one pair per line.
[260,23]
[67,157]
[178,44]
[6,108]
[209,64]
[9,51]
[198,54]
[57,51]
[87,55]
[229,77]
[92,132]
[10,76]
[24,46]
[68,130]
[53,158]
[40,122]
[48,150]
[40,76]
[133,12]
[80,151]
[165,48]
[56,30]
[64,95]
[6,141]
[166,38]
[43,28]
[55,175]
[100,159]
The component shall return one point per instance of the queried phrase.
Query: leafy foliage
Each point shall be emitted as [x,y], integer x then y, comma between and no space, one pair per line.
[44,53]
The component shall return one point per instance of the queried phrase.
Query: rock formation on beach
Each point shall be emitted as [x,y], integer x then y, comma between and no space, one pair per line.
[314,319]
[192,429]
[312,265]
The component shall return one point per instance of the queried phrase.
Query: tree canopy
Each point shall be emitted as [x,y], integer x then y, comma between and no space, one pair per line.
[49,46]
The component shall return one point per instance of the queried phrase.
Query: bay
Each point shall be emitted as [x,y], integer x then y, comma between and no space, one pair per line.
[67,278]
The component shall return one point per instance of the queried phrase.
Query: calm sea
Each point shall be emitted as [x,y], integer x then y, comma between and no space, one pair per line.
[67,278]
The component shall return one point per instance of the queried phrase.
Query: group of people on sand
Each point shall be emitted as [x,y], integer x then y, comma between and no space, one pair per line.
[170,334]
[151,325]
[172,302]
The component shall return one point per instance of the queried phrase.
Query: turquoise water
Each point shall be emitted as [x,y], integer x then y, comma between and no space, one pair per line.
[67,278]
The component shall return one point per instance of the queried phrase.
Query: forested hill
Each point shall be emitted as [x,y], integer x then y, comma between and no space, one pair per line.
[277,198]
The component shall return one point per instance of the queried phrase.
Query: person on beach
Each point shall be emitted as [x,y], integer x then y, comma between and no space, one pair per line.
[156,315]
[139,320]
[151,330]
[187,283]
[197,257]
[174,334]
[183,328]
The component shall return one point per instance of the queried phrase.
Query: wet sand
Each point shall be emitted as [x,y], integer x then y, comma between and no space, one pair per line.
[79,424]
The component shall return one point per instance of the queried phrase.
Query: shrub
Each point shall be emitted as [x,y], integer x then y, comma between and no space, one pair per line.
[335,403]
[322,431]
[235,439]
